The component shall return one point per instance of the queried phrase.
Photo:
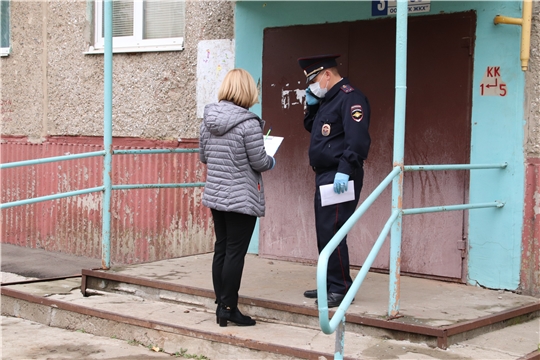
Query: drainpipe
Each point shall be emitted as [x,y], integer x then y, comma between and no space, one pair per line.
[525,23]
[399,151]
[107,137]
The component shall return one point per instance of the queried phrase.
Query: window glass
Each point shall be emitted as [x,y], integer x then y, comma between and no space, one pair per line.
[142,25]
[4,24]
[163,19]
[122,18]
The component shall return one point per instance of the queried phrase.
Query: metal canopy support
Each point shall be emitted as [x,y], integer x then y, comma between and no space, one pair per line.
[399,151]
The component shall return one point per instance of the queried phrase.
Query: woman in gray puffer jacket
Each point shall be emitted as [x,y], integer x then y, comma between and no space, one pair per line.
[232,147]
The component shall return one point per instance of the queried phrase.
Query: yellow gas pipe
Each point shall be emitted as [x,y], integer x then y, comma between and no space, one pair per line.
[525,23]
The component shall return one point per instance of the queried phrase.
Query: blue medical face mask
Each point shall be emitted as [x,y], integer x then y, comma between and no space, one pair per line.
[317,90]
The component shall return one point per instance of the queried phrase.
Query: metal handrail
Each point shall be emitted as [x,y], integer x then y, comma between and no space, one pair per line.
[98,188]
[329,326]
[15,164]
[503,165]
[46,160]
[51,197]
[337,322]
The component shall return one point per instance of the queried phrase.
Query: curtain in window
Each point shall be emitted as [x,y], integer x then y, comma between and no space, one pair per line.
[4,23]
[163,19]
[122,18]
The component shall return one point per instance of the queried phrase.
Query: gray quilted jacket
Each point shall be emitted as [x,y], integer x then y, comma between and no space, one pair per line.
[232,147]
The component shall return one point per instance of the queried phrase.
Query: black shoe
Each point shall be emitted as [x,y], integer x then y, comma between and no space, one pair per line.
[311,294]
[333,299]
[225,314]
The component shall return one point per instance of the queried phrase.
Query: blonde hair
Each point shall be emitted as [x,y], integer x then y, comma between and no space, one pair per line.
[239,88]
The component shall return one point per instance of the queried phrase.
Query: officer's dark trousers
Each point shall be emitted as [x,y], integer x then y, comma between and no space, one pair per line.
[233,233]
[328,220]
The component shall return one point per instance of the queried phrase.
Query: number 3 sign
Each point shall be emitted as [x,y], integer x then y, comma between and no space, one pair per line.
[492,83]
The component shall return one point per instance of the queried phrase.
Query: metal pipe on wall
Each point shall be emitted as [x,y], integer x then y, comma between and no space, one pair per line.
[525,23]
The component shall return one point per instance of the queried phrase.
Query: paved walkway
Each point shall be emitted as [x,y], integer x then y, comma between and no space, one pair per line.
[38,263]
[23,339]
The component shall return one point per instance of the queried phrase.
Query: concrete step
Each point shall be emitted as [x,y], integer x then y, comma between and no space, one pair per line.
[171,325]
[403,328]
[176,326]
[432,312]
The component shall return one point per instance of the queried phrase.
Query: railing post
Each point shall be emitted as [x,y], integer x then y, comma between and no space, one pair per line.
[399,150]
[107,137]
[340,340]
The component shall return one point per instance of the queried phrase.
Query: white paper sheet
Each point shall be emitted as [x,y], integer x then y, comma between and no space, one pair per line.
[329,197]
[271,144]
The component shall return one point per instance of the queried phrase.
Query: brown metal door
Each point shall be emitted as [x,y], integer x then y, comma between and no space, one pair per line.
[437,132]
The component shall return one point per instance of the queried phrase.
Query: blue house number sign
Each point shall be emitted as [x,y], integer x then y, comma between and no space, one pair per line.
[389,7]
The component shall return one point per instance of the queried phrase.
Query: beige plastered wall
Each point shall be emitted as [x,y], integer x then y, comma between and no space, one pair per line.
[532,90]
[50,87]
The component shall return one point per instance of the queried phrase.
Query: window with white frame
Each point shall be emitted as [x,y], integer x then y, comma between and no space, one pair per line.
[4,28]
[142,25]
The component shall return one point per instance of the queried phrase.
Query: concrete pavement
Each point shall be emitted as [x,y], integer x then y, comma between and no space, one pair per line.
[24,339]
[38,263]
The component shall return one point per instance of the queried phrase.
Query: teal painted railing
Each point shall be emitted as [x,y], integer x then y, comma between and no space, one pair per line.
[51,159]
[337,322]
[107,135]
[16,164]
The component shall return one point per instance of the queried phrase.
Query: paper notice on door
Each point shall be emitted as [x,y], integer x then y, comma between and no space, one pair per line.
[329,197]
[271,144]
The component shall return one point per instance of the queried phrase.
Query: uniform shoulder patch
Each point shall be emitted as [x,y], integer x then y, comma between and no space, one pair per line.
[357,113]
[346,88]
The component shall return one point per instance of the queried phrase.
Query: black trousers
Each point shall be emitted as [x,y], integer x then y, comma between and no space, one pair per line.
[233,233]
[328,220]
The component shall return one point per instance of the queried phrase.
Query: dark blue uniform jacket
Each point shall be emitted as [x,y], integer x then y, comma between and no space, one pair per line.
[339,129]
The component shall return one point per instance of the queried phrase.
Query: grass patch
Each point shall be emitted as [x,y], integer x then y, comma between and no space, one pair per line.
[183,354]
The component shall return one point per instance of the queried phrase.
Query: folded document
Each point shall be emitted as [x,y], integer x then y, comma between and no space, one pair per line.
[329,197]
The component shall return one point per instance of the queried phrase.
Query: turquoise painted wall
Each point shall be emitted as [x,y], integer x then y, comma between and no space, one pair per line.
[497,122]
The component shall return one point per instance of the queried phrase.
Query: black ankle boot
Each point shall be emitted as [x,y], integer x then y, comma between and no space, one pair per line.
[225,313]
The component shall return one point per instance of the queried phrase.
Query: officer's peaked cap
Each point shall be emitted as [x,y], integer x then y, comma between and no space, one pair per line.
[313,65]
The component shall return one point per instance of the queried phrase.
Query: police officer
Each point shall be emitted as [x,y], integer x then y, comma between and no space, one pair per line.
[337,116]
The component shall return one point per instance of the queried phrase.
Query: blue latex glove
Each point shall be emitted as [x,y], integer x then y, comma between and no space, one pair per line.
[340,183]
[310,98]
[273,162]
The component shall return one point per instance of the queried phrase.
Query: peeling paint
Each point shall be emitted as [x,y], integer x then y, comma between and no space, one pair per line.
[90,202]
[292,97]
[537,202]
[530,254]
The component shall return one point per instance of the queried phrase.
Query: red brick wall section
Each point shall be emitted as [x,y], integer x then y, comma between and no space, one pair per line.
[530,264]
